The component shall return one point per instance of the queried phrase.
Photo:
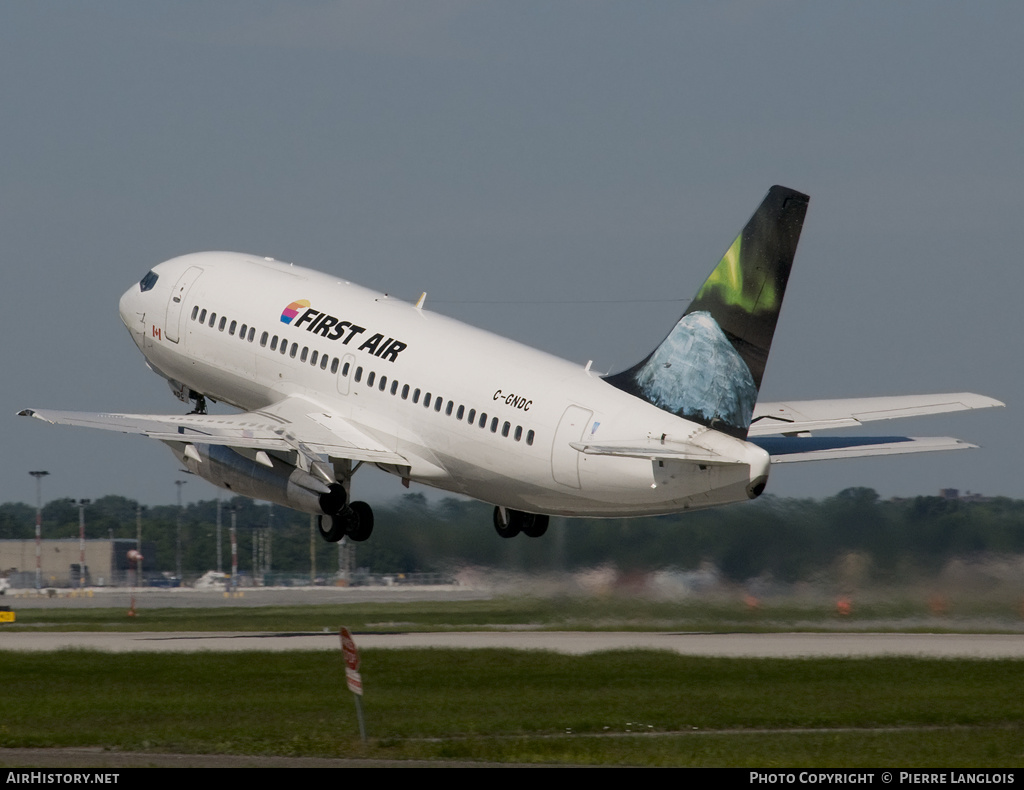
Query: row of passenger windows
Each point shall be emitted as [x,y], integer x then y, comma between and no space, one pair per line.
[450,409]
[248,334]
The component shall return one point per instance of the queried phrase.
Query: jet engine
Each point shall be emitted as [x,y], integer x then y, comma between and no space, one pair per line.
[282,483]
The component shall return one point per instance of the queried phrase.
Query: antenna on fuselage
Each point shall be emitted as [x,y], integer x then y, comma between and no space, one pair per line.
[421,300]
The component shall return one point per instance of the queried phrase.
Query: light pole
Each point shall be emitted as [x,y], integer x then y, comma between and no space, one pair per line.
[81,542]
[138,542]
[234,547]
[39,526]
[220,567]
[312,550]
[179,484]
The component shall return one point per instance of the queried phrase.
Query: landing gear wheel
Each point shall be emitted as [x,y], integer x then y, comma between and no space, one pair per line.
[535,526]
[360,521]
[505,529]
[331,528]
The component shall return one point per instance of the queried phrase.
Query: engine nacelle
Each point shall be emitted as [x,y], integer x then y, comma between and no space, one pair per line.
[281,483]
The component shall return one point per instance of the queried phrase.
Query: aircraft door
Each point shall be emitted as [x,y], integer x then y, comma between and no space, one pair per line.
[348,363]
[565,461]
[177,301]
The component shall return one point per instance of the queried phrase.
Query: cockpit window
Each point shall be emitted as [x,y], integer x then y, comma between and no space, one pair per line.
[147,282]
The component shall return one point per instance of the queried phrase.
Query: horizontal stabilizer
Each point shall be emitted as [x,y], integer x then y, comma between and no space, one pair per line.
[795,417]
[791,449]
[655,451]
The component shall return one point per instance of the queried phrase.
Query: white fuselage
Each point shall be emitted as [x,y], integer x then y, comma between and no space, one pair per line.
[500,416]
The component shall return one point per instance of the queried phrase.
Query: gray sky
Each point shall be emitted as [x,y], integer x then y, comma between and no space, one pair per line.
[597,156]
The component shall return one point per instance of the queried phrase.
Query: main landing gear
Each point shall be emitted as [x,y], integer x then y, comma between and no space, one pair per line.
[509,523]
[353,520]
[200,400]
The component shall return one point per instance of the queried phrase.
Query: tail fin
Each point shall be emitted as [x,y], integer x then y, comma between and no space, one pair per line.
[709,368]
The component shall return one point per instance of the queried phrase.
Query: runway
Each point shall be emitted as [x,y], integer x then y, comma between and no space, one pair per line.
[780,645]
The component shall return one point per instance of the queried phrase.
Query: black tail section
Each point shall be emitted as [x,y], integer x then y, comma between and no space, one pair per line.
[709,368]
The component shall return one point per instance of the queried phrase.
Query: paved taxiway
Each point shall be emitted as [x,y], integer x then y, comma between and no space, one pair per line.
[783,645]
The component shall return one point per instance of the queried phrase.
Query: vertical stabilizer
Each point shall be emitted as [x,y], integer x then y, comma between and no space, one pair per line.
[709,368]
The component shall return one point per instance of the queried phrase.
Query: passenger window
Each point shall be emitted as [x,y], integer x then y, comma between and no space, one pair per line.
[505,429]
[223,322]
[334,366]
[243,330]
[494,425]
[448,409]
[195,312]
[304,354]
[405,392]
[359,373]
[323,363]
[295,348]
[383,383]
[370,378]
[460,413]
[426,400]
[483,419]
[232,328]
[438,402]
[213,319]
[263,339]
[472,416]
[252,333]
[416,395]
[519,432]
[394,387]
[312,358]
[529,437]
[284,347]
[273,343]
[202,316]
[344,370]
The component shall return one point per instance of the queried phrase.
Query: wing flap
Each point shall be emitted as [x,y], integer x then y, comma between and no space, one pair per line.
[794,417]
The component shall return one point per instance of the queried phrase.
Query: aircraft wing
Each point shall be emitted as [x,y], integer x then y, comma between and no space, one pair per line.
[796,417]
[292,425]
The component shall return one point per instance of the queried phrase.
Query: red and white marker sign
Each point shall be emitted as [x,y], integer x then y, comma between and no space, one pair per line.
[348,649]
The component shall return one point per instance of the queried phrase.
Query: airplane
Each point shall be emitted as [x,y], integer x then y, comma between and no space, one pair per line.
[329,376]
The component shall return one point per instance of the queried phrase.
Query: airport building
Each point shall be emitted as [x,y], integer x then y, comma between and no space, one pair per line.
[106,562]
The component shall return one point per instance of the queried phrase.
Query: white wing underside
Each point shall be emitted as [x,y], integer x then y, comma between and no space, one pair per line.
[291,425]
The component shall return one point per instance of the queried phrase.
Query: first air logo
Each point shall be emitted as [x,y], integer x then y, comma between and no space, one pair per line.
[299,313]
[293,309]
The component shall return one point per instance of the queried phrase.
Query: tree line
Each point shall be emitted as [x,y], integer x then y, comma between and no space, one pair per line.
[788,539]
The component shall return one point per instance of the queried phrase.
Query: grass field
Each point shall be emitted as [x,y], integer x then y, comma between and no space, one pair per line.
[614,708]
[614,612]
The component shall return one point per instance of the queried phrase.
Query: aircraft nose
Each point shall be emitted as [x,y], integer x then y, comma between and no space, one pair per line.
[133,312]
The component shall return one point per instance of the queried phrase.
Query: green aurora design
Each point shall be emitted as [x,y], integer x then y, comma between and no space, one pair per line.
[731,287]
